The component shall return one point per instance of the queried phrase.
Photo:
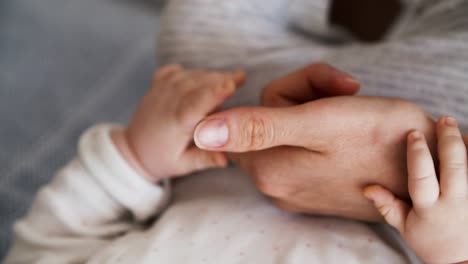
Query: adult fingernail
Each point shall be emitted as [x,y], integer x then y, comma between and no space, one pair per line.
[212,133]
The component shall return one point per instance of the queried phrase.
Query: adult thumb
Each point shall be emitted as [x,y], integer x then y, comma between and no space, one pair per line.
[255,128]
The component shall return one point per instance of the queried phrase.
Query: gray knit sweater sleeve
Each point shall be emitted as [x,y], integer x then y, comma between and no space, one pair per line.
[425,61]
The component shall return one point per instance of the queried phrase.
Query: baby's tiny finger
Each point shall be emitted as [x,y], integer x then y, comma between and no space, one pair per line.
[195,159]
[178,79]
[166,71]
[237,76]
[391,208]
[422,179]
[452,157]
[199,102]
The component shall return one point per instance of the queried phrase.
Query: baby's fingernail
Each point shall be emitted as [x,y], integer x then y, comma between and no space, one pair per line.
[450,121]
[239,73]
[416,135]
[229,86]
[212,133]
[368,195]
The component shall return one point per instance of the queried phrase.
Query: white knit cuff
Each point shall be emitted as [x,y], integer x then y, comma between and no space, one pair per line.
[104,162]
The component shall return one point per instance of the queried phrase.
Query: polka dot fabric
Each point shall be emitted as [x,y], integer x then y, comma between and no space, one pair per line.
[219,217]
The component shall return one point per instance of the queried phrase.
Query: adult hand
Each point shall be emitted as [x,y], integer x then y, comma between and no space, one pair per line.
[316,157]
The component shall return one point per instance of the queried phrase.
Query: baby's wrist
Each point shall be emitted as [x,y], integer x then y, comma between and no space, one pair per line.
[120,140]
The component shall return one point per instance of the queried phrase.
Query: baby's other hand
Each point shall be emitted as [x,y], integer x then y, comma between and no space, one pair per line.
[436,226]
[158,140]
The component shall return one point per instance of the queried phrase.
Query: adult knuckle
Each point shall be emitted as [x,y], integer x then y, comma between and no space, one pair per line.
[257,133]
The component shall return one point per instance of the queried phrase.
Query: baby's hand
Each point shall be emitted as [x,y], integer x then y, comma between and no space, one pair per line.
[158,141]
[436,227]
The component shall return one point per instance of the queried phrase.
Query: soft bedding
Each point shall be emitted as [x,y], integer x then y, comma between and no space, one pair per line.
[68,64]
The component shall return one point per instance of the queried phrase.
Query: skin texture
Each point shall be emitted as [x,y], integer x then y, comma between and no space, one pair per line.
[313,152]
[158,140]
[434,226]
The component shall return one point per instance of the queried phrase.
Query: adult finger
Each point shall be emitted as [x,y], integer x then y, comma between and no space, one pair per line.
[309,83]
[256,128]
[452,158]
[422,179]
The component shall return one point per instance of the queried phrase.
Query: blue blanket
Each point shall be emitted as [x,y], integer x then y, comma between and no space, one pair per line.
[64,65]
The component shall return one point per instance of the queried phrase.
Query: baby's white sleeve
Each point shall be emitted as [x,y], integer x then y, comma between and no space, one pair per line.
[93,200]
